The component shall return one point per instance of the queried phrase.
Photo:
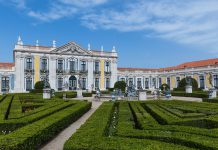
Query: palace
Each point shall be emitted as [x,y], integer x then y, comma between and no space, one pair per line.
[72,66]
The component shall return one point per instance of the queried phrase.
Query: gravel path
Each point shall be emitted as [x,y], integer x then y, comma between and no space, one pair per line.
[58,142]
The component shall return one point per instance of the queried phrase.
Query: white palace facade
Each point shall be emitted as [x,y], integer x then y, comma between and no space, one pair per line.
[70,65]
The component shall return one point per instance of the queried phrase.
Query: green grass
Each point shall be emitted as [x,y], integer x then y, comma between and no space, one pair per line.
[149,125]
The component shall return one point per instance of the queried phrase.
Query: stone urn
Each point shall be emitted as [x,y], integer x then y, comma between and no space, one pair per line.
[142,95]
[188,89]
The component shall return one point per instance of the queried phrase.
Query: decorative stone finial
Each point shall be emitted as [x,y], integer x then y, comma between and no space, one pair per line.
[89,47]
[102,48]
[37,42]
[114,49]
[19,41]
[54,43]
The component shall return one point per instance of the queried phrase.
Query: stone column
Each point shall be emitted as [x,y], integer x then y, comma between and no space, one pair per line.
[90,74]
[113,73]
[52,72]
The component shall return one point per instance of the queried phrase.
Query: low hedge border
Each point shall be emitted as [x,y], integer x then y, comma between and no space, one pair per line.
[44,129]
[215,100]
[183,94]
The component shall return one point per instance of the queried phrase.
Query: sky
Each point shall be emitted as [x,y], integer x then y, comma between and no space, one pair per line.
[146,33]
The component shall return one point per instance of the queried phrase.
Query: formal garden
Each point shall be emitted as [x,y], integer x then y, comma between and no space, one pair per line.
[149,125]
[27,121]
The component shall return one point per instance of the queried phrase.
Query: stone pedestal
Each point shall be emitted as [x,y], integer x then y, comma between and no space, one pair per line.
[79,93]
[47,93]
[142,95]
[212,93]
[188,89]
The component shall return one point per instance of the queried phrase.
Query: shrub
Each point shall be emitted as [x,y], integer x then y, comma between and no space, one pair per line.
[194,94]
[167,87]
[215,100]
[69,94]
[182,84]
[39,85]
[86,94]
[120,85]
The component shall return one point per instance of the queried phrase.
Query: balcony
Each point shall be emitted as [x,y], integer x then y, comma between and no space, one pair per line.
[107,73]
[59,71]
[44,71]
[83,71]
[29,71]
[97,72]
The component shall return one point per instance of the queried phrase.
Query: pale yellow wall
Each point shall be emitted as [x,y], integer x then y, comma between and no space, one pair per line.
[172,80]
[195,76]
[102,74]
[163,80]
[36,68]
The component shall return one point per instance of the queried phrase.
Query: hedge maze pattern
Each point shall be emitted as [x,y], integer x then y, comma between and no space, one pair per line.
[149,125]
[27,121]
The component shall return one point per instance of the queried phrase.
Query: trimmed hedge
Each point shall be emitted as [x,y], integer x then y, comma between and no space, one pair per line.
[215,100]
[86,94]
[44,129]
[69,94]
[194,94]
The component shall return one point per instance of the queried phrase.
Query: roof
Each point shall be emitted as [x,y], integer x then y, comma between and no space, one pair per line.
[193,64]
[6,65]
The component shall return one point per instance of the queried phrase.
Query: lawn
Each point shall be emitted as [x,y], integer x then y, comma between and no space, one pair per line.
[149,125]
[27,121]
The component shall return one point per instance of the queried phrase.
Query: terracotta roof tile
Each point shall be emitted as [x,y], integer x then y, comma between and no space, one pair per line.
[6,65]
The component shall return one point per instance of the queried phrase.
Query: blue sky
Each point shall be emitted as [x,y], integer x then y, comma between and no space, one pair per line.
[146,33]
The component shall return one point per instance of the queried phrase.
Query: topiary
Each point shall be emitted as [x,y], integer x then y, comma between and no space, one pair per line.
[39,85]
[182,84]
[167,87]
[120,85]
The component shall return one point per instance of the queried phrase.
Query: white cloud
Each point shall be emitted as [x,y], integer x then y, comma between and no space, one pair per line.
[21,4]
[187,21]
[65,8]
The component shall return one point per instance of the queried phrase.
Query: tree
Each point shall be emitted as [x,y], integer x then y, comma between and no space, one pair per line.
[167,87]
[120,85]
[183,83]
[39,85]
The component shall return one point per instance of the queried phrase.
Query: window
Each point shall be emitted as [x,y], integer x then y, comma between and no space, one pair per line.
[168,81]
[215,78]
[29,63]
[5,84]
[83,83]
[201,79]
[44,64]
[160,82]
[60,65]
[177,81]
[60,83]
[139,83]
[154,83]
[146,83]
[97,66]
[96,83]
[130,81]
[28,83]
[83,66]
[72,66]
[107,83]
[107,66]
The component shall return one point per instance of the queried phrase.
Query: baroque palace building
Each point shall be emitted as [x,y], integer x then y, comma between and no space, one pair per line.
[71,65]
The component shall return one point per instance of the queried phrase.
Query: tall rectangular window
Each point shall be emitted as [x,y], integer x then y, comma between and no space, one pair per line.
[29,64]
[60,65]
[28,83]
[201,79]
[60,83]
[97,66]
[5,84]
[107,83]
[146,83]
[154,82]
[96,83]
[44,64]
[215,78]
[168,81]
[130,81]
[83,83]
[107,66]
[83,66]
[177,81]
[139,83]
[160,82]
[72,66]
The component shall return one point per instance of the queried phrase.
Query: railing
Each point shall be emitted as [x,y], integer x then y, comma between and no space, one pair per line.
[83,71]
[107,72]
[97,72]
[29,70]
[60,71]
[44,71]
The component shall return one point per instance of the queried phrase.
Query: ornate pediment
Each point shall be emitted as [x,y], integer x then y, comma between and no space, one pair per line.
[71,48]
